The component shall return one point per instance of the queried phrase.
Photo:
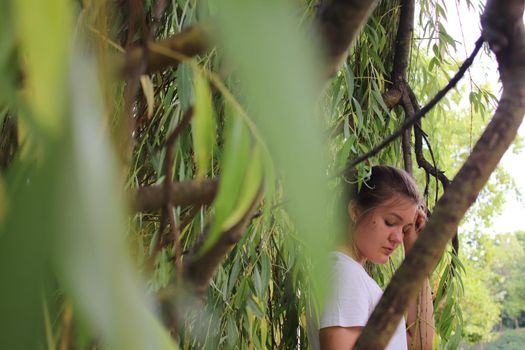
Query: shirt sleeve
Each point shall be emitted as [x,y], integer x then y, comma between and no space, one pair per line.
[347,304]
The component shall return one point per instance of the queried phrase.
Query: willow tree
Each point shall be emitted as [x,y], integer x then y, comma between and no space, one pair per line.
[171,170]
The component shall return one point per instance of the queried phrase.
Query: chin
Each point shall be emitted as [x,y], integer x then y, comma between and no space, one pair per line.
[380,260]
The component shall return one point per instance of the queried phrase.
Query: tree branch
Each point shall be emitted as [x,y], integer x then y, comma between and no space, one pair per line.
[191,192]
[418,115]
[199,270]
[503,28]
[189,42]
[403,41]
[412,106]
[167,209]
[339,22]
[399,70]
[406,145]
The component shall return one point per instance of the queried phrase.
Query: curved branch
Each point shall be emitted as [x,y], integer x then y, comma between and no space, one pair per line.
[503,28]
[411,106]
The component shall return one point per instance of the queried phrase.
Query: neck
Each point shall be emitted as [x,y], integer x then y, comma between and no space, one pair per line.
[353,254]
[349,248]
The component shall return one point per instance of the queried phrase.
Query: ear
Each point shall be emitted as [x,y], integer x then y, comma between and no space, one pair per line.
[354,211]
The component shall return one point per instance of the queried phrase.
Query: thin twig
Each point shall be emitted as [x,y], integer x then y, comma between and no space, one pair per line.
[418,115]
[168,187]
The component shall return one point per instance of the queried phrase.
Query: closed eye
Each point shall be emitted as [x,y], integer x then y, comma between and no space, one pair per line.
[388,223]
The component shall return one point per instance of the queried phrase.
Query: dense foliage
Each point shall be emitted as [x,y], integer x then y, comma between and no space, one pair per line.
[82,137]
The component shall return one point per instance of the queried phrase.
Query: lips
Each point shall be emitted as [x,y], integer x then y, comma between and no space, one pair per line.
[388,250]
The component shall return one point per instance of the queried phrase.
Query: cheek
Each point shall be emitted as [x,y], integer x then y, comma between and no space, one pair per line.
[376,231]
[370,235]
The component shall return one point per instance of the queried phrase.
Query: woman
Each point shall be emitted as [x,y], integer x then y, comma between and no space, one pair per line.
[386,213]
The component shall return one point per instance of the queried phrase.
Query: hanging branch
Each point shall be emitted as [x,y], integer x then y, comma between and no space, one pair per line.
[420,114]
[504,30]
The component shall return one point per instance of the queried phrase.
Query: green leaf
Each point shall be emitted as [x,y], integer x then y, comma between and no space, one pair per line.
[255,308]
[203,125]
[45,74]
[249,189]
[235,163]
[240,296]
[91,253]
[349,77]
[280,94]
[359,113]
[232,279]
[185,86]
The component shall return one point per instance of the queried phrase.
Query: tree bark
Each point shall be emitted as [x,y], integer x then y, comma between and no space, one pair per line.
[504,30]
[188,43]
[192,192]
[399,72]
[339,22]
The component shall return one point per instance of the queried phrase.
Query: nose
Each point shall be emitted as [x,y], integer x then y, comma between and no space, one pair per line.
[396,236]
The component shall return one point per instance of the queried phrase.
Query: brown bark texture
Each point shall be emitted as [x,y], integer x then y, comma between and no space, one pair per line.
[188,43]
[191,192]
[339,22]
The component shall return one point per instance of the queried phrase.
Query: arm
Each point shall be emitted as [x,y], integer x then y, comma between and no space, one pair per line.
[420,320]
[336,338]
[420,317]
[346,307]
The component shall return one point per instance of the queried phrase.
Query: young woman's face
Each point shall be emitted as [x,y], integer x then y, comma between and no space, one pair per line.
[380,231]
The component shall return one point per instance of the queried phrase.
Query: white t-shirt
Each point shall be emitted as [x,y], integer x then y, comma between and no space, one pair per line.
[353,298]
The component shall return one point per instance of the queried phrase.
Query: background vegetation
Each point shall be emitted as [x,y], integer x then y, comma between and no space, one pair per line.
[83,265]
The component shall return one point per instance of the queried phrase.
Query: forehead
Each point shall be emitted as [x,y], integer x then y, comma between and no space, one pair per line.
[399,206]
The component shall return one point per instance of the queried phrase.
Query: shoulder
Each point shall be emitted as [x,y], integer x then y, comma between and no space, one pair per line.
[348,302]
[344,268]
